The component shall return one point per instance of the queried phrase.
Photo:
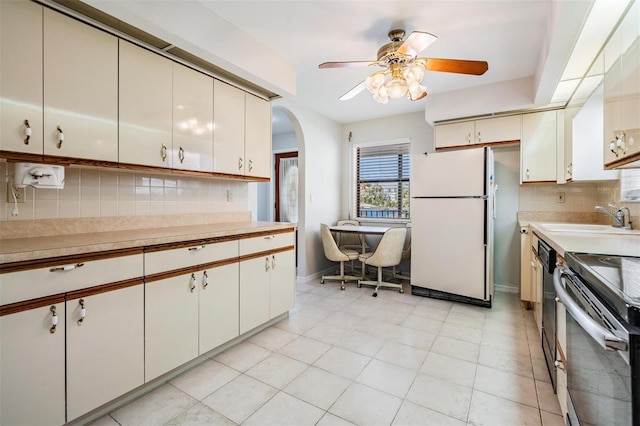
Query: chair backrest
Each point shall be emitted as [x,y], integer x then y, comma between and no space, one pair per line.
[348,239]
[389,250]
[331,250]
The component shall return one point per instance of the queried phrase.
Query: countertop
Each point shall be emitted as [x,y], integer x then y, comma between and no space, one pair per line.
[34,248]
[588,242]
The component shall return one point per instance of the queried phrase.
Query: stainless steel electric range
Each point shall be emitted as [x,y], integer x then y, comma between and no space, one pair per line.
[602,296]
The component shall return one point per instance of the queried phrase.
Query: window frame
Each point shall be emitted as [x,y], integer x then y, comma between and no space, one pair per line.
[353,179]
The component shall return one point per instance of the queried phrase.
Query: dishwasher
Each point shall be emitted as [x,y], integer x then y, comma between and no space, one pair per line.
[547,257]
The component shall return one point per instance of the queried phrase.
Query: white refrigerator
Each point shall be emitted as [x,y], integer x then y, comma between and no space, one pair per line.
[452,212]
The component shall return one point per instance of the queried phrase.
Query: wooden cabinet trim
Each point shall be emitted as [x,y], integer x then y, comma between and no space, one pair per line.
[74,258]
[189,243]
[622,161]
[264,233]
[266,253]
[189,270]
[91,291]
[27,305]
[478,145]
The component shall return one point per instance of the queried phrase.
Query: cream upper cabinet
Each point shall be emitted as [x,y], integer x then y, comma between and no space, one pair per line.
[105,347]
[32,376]
[229,129]
[538,148]
[21,77]
[622,92]
[499,129]
[489,130]
[146,107]
[257,137]
[454,134]
[192,120]
[80,90]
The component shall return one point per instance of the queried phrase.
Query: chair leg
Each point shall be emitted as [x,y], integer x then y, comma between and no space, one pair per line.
[375,292]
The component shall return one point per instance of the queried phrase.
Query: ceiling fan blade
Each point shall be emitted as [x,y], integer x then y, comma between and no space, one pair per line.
[459,66]
[416,43]
[347,64]
[353,92]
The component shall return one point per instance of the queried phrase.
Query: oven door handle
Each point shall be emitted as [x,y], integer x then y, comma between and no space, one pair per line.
[601,335]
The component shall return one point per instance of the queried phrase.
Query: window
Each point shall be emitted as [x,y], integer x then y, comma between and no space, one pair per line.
[382,181]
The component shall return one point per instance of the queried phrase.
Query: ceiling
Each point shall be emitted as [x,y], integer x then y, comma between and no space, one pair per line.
[279,44]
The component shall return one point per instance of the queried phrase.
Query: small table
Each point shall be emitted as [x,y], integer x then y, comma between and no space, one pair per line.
[363,230]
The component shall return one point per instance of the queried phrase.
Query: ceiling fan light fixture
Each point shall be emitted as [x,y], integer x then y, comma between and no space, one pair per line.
[414,73]
[416,92]
[381,96]
[396,88]
[375,81]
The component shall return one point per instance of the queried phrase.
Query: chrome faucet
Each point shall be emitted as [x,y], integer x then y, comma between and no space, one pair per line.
[618,216]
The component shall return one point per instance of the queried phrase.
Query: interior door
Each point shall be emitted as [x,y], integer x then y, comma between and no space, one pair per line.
[286,191]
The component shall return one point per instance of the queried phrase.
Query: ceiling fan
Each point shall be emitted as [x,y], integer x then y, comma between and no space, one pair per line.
[403,70]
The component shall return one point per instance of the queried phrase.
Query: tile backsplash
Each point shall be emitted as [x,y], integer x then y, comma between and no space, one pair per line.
[95,192]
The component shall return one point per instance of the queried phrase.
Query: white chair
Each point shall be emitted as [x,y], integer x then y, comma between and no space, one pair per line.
[388,253]
[406,255]
[335,254]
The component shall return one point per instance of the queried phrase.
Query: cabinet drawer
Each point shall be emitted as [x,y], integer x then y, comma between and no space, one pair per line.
[40,282]
[167,260]
[266,243]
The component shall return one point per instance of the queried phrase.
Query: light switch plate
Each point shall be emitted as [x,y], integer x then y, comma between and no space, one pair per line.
[229,195]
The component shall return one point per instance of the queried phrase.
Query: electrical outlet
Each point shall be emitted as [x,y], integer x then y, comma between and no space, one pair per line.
[559,197]
[20,196]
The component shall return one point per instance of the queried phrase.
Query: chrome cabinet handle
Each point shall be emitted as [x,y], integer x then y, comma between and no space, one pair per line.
[66,268]
[269,237]
[205,280]
[524,231]
[163,152]
[181,155]
[240,163]
[559,365]
[273,261]
[468,137]
[479,137]
[266,264]
[601,335]
[27,132]
[250,165]
[570,169]
[196,248]
[192,283]
[60,137]
[83,312]
[528,174]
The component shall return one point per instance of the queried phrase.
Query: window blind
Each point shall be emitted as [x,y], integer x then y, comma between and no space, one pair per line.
[382,181]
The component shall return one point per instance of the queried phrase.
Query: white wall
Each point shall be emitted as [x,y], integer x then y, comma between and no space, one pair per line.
[407,126]
[506,266]
[320,166]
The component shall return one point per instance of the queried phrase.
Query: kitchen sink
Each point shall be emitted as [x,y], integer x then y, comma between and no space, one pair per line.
[586,227]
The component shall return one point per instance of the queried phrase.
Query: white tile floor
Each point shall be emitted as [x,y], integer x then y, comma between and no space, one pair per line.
[344,357]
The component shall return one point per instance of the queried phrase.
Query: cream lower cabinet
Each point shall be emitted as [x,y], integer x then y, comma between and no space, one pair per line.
[255,281]
[171,323]
[32,360]
[282,290]
[219,307]
[105,352]
[21,76]
[525,264]
[561,356]
[80,89]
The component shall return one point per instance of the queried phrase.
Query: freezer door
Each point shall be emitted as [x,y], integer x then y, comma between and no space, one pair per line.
[448,246]
[452,173]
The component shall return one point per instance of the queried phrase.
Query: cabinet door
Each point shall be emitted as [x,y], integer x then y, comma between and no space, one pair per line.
[538,147]
[630,84]
[219,306]
[283,282]
[192,120]
[171,324]
[145,99]
[254,292]
[32,367]
[20,76]
[257,137]
[80,89]
[228,134]
[612,91]
[455,134]
[500,129]
[105,349]
[525,264]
